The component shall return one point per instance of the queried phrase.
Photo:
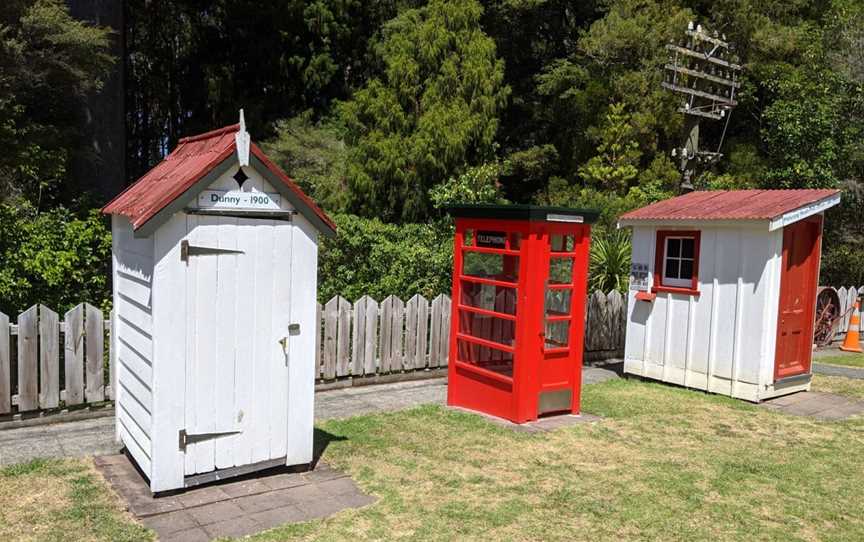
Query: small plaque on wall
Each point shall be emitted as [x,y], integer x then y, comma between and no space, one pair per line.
[237,199]
[639,276]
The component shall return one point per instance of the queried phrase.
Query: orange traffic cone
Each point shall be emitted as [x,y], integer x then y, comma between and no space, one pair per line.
[853,334]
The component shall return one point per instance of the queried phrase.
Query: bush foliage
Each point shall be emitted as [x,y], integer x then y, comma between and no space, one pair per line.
[55,258]
[370,257]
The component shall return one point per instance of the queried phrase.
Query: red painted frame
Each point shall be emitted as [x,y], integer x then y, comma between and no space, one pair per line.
[535,369]
[660,253]
[813,263]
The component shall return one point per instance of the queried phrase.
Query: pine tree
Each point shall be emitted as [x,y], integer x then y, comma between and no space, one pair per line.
[432,112]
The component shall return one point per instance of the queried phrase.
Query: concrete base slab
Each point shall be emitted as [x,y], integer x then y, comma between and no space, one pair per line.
[544,424]
[822,406]
[237,507]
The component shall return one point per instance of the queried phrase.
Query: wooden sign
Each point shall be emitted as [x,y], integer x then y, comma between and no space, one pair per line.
[237,199]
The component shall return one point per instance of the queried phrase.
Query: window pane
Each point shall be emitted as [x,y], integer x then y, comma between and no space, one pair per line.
[673,248]
[557,334]
[687,248]
[560,270]
[489,297]
[485,327]
[515,240]
[468,238]
[558,302]
[671,269]
[686,269]
[562,243]
[492,266]
[485,357]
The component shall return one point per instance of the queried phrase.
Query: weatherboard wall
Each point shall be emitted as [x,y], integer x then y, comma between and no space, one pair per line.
[132,340]
[723,339]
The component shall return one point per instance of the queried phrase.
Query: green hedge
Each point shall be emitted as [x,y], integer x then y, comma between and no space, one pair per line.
[369,257]
[56,258]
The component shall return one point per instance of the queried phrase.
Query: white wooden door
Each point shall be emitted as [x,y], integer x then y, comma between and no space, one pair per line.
[236,403]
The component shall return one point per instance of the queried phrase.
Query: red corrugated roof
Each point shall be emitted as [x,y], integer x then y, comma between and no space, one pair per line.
[193,158]
[730,205]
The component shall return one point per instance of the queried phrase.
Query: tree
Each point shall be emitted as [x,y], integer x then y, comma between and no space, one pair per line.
[433,110]
[614,167]
[315,155]
[192,64]
[49,62]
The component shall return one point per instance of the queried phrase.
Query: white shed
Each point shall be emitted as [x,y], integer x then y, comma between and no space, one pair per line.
[214,286]
[723,290]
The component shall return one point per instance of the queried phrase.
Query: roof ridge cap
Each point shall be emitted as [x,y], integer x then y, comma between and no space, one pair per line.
[210,134]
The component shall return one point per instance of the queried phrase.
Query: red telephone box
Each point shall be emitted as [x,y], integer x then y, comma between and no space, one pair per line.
[519,288]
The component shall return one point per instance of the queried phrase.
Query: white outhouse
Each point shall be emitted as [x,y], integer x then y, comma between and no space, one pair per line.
[723,290]
[214,286]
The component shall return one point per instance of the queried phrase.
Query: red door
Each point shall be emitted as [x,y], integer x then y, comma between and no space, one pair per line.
[798,281]
[566,259]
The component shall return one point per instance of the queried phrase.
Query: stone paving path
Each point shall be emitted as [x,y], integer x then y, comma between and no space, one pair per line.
[822,406]
[96,436]
[235,508]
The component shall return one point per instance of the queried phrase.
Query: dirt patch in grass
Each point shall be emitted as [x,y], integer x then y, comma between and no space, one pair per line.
[62,500]
[664,464]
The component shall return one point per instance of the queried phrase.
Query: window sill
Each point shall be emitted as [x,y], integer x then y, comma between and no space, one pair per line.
[674,290]
[646,296]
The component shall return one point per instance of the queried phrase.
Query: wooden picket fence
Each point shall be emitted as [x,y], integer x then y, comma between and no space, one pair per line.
[37,380]
[368,338]
[48,363]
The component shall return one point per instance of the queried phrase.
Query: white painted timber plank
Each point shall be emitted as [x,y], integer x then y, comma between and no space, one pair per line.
[343,342]
[384,344]
[410,334]
[206,355]
[444,349]
[74,355]
[302,364]
[264,347]
[168,355]
[396,334]
[331,327]
[422,332]
[94,342]
[227,292]
[49,358]
[371,336]
[246,369]
[28,383]
[5,367]
[435,332]
[282,318]
[358,337]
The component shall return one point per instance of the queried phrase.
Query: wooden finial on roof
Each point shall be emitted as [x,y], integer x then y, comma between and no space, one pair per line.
[243,141]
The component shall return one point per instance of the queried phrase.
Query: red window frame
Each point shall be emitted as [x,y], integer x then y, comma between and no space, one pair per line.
[659,261]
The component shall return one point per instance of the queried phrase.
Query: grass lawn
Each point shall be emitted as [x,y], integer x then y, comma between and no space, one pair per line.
[849,359]
[665,463]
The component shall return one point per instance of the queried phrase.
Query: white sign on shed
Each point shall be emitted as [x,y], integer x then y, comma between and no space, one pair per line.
[214,278]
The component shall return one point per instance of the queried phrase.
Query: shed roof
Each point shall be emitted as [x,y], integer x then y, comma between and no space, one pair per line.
[523,212]
[193,159]
[734,205]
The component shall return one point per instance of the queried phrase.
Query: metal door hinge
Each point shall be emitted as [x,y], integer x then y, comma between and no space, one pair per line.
[187,250]
[187,438]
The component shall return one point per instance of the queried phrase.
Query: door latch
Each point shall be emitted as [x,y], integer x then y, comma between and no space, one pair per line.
[191,438]
[187,250]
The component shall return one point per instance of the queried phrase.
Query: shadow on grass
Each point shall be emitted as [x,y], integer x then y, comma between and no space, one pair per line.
[321,440]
